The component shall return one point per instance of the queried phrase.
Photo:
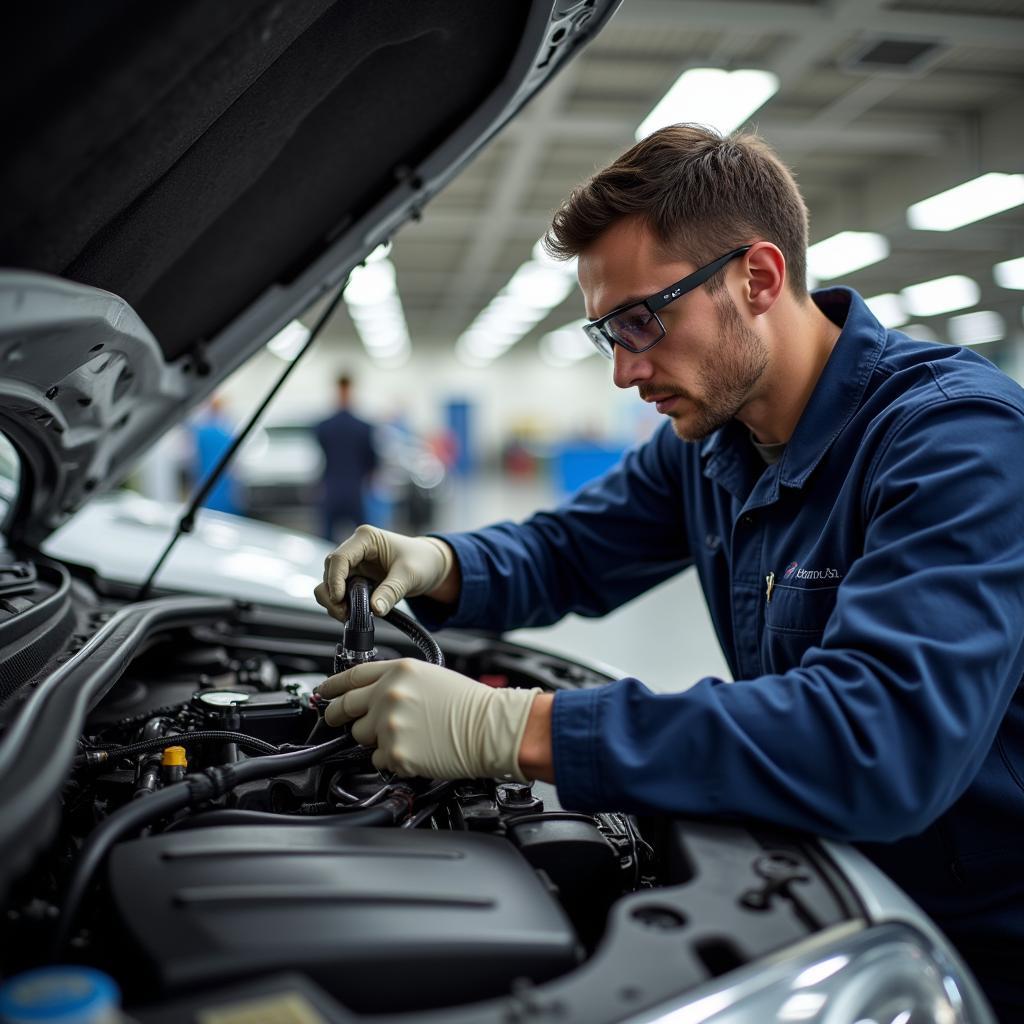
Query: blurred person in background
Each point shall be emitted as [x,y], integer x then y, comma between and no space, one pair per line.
[212,433]
[349,460]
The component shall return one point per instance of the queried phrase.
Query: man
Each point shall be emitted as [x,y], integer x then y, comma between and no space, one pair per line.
[853,502]
[349,459]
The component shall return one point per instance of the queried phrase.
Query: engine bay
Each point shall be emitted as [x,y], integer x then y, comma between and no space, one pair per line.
[214,832]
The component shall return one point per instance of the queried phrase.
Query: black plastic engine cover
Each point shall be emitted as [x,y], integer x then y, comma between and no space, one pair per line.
[355,909]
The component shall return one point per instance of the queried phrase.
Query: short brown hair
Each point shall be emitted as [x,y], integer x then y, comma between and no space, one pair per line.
[701,193]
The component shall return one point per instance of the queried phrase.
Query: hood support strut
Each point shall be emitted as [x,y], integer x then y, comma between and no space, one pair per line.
[188,520]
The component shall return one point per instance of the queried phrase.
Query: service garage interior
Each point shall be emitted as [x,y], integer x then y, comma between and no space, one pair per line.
[293,279]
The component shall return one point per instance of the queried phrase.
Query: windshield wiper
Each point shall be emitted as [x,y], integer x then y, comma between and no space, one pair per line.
[188,521]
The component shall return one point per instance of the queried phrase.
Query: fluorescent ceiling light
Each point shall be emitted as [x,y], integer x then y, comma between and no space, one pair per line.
[538,286]
[505,312]
[942,295]
[846,252]
[468,358]
[1009,274]
[376,310]
[487,344]
[920,332]
[720,99]
[971,201]
[288,341]
[889,309]
[541,287]
[976,328]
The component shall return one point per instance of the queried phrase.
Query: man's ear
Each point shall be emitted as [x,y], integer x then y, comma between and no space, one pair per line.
[766,276]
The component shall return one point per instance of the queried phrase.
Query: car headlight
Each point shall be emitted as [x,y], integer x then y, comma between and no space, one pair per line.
[889,973]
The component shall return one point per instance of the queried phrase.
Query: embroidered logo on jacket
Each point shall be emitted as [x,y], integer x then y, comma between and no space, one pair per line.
[793,571]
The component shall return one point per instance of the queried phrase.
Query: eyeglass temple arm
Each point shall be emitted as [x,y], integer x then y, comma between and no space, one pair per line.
[694,280]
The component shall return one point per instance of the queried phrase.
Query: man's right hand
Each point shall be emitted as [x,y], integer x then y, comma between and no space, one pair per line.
[401,567]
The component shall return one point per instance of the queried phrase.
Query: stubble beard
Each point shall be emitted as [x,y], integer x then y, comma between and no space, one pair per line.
[727,383]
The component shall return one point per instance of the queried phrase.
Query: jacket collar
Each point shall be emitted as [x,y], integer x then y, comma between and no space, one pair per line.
[836,397]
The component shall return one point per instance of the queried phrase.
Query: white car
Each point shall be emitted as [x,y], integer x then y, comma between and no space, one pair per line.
[178,832]
[118,534]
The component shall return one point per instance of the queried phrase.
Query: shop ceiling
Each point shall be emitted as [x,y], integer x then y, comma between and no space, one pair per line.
[881,104]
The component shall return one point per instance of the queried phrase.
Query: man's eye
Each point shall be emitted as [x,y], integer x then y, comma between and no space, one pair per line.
[634,321]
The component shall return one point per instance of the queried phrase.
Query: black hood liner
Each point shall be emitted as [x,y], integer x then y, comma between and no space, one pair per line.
[189,155]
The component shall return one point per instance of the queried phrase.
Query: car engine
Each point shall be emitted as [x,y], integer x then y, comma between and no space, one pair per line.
[214,832]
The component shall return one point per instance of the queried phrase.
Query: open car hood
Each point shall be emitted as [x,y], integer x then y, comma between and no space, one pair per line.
[185,178]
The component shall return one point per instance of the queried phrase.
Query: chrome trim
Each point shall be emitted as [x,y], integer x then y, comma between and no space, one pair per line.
[885,901]
[839,977]
[890,972]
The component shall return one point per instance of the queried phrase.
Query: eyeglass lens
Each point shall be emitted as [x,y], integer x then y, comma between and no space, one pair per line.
[635,328]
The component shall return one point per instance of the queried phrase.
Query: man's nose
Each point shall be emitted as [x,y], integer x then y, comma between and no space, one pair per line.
[629,368]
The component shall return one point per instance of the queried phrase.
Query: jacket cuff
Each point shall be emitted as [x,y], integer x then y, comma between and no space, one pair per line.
[472,595]
[575,721]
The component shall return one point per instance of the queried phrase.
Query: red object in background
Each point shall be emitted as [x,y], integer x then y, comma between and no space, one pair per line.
[445,445]
[518,461]
[495,680]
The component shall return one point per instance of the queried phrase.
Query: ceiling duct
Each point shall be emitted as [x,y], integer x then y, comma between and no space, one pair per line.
[896,55]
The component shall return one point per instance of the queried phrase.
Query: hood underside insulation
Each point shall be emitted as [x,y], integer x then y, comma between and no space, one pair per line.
[187,156]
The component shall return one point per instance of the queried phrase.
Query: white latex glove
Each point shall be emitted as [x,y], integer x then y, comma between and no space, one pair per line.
[402,566]
[430,721]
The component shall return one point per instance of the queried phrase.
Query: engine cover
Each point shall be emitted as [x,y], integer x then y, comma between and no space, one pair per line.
[356,909]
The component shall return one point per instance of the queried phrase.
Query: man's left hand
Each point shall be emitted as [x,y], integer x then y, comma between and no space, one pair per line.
[430,721]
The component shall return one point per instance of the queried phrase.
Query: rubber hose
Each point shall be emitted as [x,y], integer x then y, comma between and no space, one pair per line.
[294,760]
[342,796]
[195,788]
[359,627]
[129,818]
[185,739]
[420,816]
[418,635]
[389,811]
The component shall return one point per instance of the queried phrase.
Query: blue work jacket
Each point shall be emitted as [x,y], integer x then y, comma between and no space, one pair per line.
[868,594]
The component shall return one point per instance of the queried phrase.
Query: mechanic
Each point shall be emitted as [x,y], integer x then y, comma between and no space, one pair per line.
[350,457]
[853,501]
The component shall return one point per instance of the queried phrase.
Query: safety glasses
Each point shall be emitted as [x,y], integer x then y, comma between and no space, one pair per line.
[636,326]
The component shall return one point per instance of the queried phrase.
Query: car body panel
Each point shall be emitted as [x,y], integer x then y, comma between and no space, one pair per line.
[235,152]
[121,535]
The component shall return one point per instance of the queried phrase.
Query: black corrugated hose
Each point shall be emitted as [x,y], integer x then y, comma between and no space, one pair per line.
[359,627]
[194,789]
[203,786]
[418,635]
[180,739]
